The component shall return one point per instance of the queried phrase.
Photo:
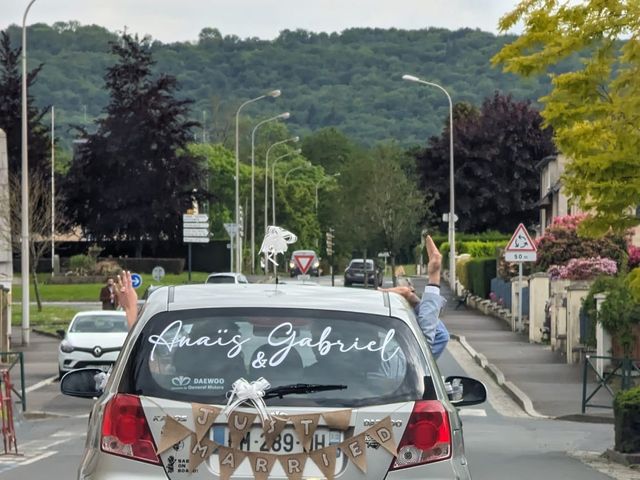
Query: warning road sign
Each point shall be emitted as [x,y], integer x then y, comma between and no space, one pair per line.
[303,261]
[521,248]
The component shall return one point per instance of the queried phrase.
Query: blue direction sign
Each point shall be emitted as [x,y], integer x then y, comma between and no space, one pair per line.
[136,280]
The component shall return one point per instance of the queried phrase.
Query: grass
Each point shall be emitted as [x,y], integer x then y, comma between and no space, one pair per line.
[89,292]
[50,319]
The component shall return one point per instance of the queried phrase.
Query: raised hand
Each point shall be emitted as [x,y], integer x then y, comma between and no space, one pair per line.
[435,260]
[127,296]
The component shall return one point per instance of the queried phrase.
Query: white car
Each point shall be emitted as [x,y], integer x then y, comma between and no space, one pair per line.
[227,277]
[93,339]
[353,364]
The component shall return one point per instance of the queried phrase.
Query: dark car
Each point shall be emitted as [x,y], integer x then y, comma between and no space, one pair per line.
[355,271]
[306,257]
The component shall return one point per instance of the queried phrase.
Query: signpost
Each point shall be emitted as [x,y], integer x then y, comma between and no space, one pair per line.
[521,248]
[330,237]
[157,273]
[136,280]
[303,261]
[231,229]
[195,230]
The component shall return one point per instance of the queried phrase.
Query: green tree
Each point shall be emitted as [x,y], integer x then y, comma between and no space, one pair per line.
[137,156]
[594,108]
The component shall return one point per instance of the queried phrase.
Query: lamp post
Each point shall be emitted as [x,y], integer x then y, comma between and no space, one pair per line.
[24,260]
[283,116]
[274,94]
[266,178]
[294,169]
[320,182]
[273,182]
[452,225]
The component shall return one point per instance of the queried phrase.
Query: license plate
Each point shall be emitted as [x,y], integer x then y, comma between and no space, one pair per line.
[286,442]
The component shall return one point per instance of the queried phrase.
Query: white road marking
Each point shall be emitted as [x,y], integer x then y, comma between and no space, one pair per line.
[36,450]
[472,412]
[43,383]
[39,457]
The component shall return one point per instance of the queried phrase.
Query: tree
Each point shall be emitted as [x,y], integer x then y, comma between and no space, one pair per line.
[11,114]
[329,148]
[594,108]
[496,149]
[137,156]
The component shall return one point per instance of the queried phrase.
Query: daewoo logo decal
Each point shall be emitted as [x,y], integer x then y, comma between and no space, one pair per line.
[181,381]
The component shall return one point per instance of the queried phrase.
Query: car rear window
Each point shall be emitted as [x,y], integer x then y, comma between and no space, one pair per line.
[220,280]
[197,355]
[99,324]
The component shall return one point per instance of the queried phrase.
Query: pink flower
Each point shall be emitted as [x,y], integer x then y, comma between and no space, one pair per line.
[583,269]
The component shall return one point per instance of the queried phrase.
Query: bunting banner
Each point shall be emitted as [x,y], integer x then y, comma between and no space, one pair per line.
[261,463]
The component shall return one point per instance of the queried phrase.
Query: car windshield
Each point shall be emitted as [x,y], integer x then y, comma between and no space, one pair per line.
[198,355]
[99,324]
[359,264]
[221,279]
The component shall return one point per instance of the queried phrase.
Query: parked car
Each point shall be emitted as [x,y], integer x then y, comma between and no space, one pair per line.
[308,256]
[92,339]
[354,273]
[227,277]
[320,351]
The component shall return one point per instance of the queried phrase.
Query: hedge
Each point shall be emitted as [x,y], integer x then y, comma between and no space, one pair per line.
[480,271]
[146,265]
[626,408]
[462,272]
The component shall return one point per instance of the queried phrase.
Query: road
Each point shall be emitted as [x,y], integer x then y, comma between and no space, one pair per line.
[502,442]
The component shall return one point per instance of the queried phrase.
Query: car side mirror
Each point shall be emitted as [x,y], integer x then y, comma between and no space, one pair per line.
[466,391]
[82,383]
[61,333]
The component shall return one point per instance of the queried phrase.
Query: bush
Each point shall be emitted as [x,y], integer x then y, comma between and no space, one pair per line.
[145,265]
[583,269]
[634,256]
[81,264]
[626,409]
[462,272]
[106,268]
[481,249]
[480,272]
[620,313]
[600,285]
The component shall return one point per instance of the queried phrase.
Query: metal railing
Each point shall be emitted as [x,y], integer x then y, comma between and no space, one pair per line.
[8,361]
[620,377]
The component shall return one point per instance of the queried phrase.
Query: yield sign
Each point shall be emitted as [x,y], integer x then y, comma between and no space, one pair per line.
[521,241]
[303,261]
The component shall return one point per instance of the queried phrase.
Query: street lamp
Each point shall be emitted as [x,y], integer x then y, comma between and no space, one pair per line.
[283,116]
[24,252]
[452,225]
[266,178]
[274,94]
[320,182]
[273,182]
[299,167]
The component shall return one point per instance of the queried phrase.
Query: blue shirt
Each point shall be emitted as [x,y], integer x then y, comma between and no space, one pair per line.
[428,311]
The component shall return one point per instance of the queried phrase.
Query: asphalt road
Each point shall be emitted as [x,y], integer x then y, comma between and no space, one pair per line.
[501,441]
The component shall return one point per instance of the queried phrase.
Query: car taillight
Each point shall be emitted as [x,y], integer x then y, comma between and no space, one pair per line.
[125,431]
[427,437]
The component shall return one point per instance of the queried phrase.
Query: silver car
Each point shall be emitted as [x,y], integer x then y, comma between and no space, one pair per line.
[320,349]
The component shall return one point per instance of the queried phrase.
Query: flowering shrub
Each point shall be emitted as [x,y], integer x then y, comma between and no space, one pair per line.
[583,269]
[634,256]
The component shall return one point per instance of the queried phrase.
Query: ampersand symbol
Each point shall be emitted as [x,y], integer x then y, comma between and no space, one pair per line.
[260,361]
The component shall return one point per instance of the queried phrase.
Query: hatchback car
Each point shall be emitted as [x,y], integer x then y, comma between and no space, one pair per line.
[322,352]
[228,277]
[355,273]
[92,339]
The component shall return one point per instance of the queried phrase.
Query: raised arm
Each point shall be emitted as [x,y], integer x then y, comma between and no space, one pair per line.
[127,297]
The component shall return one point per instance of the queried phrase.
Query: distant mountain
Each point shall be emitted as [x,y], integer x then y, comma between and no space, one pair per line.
[350,80]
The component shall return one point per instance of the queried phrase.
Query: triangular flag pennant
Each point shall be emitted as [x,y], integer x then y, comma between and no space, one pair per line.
[200,450]
[172,433]
[293,465]
[382,432]
[203,417]
[356,449]
[272,428]
[305,426]
[338,420]
[325,459]
[239,424]
[261,464]
[229,459]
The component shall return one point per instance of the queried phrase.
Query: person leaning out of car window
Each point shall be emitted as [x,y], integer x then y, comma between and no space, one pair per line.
[428,309]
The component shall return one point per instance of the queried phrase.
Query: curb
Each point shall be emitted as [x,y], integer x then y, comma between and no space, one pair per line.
[46,334]
[494,372]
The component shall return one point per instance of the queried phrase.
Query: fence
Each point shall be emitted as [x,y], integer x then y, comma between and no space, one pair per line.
[624,374]
[502,290]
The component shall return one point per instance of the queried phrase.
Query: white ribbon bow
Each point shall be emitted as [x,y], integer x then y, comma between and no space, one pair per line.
[243,391]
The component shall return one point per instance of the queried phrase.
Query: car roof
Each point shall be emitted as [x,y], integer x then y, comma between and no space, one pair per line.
[304,251]
[115,313]
[187,297]
[224,274]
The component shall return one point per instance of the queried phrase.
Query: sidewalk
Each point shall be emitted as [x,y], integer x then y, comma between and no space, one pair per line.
[537,378]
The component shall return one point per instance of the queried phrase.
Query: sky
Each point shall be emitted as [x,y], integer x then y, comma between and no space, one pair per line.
[182,20]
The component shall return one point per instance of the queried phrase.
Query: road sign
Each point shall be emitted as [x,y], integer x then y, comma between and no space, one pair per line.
[521,248]
[136,280]
[384,255]
[196,239]
[157,273]
[304,277]
[231,228]
[199,218]
[303,261]
[195,232]
[445,218]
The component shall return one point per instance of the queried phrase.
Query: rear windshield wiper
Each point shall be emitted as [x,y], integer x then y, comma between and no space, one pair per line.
[300,388]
